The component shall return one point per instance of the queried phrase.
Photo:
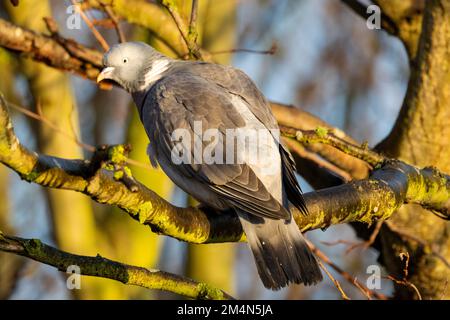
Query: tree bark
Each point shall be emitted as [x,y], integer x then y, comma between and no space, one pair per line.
[421,136]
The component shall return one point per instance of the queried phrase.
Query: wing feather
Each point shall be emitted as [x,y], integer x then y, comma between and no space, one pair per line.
[177,103]
[226,76]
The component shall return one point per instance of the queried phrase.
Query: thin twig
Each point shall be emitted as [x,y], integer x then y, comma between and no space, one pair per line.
[351,279]
[404,257]
[115,22]
[91,26]
[337,242]
[406,284]
[177,19]
[333,279]
[326,136]
[40,117]
[193,48]
[292,116]
[272,50]
[194,14]
[366,244]
[362,289]
[103,22]
[301,151]
[423,243]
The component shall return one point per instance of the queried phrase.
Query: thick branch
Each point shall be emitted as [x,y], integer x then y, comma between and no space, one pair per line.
[105,268]
[365,200]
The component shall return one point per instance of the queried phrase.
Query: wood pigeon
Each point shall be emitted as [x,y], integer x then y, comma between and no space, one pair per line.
[213,133]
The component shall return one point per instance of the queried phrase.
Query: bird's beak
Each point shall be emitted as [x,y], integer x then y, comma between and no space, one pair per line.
[105,74]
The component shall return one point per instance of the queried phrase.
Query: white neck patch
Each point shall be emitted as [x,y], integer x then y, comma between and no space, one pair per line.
[154,73]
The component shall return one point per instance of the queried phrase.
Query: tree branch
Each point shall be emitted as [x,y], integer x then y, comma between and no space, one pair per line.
[148,15]
[68,56]
[364,290]
[115,22]
[365,200]
[291,116]
[193,19]
[97,35]
[308,162]
[324,136]
[189,36]
[105,268]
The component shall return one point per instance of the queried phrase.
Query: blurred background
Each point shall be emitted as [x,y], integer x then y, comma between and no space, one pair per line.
[326,61]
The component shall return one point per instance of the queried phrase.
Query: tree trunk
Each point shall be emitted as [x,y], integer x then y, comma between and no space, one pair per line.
[421,136]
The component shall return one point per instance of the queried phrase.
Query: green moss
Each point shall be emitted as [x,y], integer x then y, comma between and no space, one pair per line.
[118,174]
[144,211]
[206,291]
[31,176]
[117,154]
[109,167]
[192,234]
[321,132]
[34,247]
[127,171]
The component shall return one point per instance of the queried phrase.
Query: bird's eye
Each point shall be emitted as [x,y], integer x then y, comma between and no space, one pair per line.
[125,60]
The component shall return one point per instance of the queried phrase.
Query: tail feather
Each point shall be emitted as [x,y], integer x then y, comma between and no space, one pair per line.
[281,253]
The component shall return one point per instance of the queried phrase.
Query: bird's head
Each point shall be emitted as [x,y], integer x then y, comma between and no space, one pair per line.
[135,66]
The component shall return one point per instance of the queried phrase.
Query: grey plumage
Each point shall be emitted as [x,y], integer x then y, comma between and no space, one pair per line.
[173,95]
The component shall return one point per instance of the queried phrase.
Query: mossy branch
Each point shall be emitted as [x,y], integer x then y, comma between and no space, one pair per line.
[365,200]
[63,54]
[188,34]
[326,136]
[291,116]
[105,268]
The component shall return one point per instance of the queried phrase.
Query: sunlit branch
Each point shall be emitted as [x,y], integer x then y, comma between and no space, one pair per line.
[364,200]
[104,268]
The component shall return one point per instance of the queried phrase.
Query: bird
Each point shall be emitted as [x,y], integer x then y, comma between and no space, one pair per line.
[179,102]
